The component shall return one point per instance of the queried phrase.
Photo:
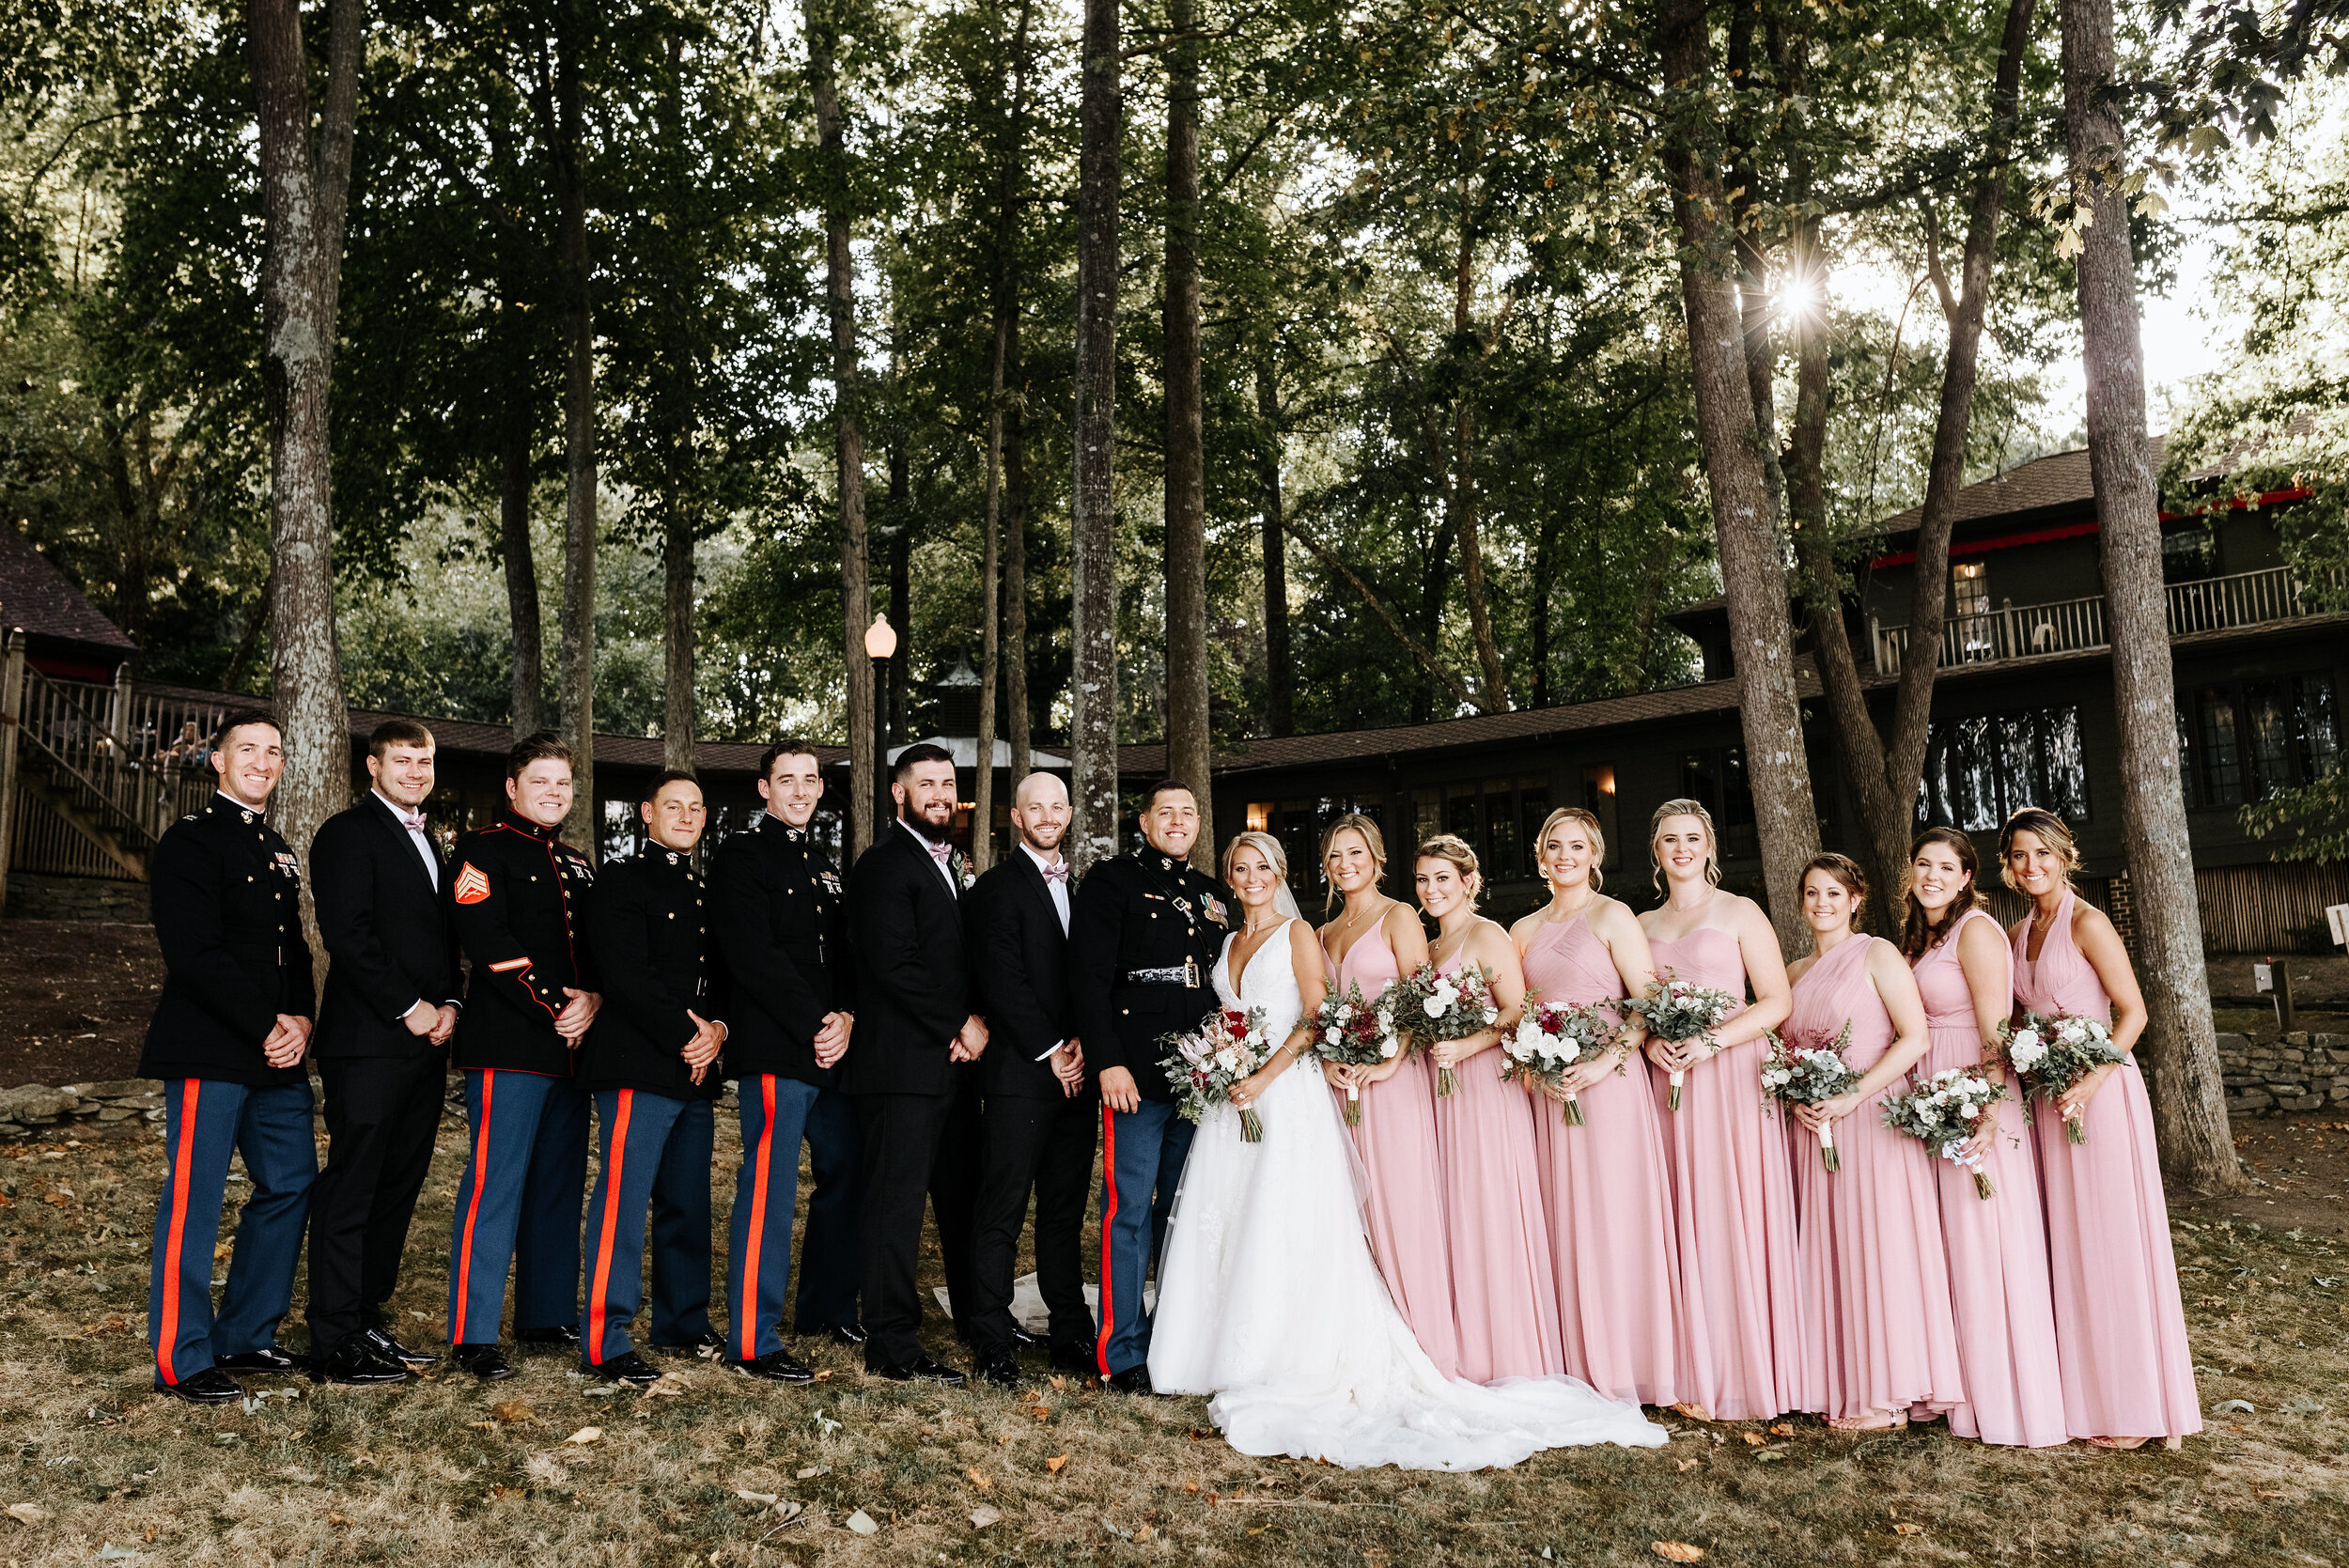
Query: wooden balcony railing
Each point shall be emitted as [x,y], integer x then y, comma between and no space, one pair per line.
[2078,624]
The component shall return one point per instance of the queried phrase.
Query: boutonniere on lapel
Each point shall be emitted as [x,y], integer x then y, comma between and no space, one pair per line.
[960,868]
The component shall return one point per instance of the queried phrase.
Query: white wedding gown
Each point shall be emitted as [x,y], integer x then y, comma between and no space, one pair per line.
[1268,1298]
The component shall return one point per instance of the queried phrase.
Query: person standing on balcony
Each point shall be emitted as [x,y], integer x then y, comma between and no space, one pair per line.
[227,1039]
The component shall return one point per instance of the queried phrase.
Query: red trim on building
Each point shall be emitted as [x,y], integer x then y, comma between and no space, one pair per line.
[2079,530]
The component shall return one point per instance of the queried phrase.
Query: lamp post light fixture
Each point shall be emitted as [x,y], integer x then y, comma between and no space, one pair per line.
[880,646]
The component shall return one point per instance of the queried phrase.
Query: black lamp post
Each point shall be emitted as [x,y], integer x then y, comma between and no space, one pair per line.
[880,646]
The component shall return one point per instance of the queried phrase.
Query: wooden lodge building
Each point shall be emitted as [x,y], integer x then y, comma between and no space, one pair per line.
[97,764]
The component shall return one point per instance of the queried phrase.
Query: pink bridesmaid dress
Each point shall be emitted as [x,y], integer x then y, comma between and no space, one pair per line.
[1609,1197]
[1876,1278]
[2120,1326]
[1502,1287]
[1403,1196]
[1740,1336]
[1998,1246]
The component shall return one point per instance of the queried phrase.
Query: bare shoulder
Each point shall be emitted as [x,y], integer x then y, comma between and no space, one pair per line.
[1487,941]
[1801,965]
[1612,917]
[1400,919]
[1745,916]
[1522,932]
[2088,920]
[1979,940]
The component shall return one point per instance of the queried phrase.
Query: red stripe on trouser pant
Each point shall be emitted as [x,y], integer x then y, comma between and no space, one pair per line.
[611,1221]
[747,1287]
[182,1157]
[1109,1224]
[472,1212]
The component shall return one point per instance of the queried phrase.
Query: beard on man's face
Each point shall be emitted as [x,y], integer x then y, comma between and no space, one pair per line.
[935,821]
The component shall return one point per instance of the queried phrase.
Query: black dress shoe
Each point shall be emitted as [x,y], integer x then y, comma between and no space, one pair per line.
[921,1369]
[1077,1358]
[709,1339]
[359,1362]
[567,1334]
[268,1359]
[383,1340]
[849,1334]
[1133,1380]
[485,1361]
[627,1367]
[210,1387]
[776,1366]
[1025,1341]
[1001,1369]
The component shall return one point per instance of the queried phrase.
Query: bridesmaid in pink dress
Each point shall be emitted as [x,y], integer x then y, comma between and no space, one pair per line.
[1882,1340]
[1502,1287]
[1740,1332]
[1604,1183]
[1998,1246]
[2128,1376]
[1375,941]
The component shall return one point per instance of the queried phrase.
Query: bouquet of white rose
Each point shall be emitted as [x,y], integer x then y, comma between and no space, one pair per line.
[1356,1033]
[1678,1010]
[1945,1112]
[1810,1075]
[1433,1008]
[1550,1039]
[2053,1051]
[1228,1047]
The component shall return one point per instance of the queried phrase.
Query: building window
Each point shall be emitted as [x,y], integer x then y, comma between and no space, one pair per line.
[1260,817]
[1598,798]
[2257,739]
[2189,555]
[1970,582]
[1300,826]
[1533,810]
[1718,780]
[1981,768]
[2222,759]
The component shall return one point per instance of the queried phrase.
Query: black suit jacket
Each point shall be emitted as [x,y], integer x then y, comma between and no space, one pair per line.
[229,917]
[1019,968]
[912,981]
[387,933]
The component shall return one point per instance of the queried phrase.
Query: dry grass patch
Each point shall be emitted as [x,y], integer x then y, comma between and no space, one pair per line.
[716,1468]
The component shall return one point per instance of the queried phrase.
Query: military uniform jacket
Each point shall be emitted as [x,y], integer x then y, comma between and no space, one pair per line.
[227,903]
[650,932]
[520,898]
[1143,935]
[781,925]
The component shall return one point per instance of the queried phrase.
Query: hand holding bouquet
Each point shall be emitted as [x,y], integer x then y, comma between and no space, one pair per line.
[1353,1033]
[1810,1075]
[1550,1039]
[1433,1008]
[2053,1052]
[1681,1010]
[1230,1045]
[1945,1112]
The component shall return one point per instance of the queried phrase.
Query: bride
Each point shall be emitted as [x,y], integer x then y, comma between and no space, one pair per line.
[1268,1295]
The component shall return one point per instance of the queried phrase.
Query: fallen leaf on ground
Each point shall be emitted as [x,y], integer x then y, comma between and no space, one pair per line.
[1904,1528]
[483,1426]
[1687,1465]
[514,1411]
[1190,1486]
[791,1510]
[984,1515]
[1058,1463]
[1783,1429]
[1753,1439]
[1676,1551]
[808,1472]
[112,1553]
[2235,1408]
[1768,1456]
[670,1385]
[978,1478]
[28,1514]
[585,1435]
[823,1377]
[863,1523]
[337,1519]
[764,1499]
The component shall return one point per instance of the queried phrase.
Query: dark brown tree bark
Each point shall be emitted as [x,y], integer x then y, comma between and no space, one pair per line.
[676,643]
[893,709]
[576,661]
[1280,674]
[1753,573]
[1188,741]
[2180,1049]
[521,578]
[1461,498]
[306,188]
[1015,567]
[856,593]
[1093,516]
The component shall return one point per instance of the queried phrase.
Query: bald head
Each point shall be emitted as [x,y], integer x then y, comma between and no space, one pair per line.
[1039,809]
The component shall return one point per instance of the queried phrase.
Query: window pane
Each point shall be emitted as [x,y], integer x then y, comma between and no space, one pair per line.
[1533,809]
[619,829]
[1463,817]
[2222,763]
[2319,728]
[1501,818]
[1696,780]
[1427,820]
[2065,761]
[1737,837]
[1972,775]
[1260,817]
[2186,758]
[2269,732]
[1598,798]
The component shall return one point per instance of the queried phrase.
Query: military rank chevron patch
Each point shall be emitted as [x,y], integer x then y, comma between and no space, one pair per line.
[471,885]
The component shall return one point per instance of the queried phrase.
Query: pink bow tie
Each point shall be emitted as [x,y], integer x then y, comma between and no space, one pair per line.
[939,853]
[411,820]
[1057,872]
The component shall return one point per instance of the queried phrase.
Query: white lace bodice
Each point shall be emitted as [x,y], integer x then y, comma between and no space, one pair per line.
[1266,981]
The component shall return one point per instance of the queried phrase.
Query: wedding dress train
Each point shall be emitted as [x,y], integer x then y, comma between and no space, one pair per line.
[1269,1302]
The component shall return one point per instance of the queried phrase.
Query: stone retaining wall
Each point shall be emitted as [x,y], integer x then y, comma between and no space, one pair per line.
[2301,1072]
[33,1109]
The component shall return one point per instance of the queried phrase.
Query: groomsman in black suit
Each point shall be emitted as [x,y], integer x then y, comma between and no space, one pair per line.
[1037,1124]
[381,1047]
[915,1028]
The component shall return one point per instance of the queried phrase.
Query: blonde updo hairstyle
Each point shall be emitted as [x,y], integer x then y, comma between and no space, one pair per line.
[1265,844]
[1453,850]
[1374,840]
[2049,829]
[1684,807]
[1588,821]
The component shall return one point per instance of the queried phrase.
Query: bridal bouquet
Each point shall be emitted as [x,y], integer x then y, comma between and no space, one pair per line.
[1678,1010]
[1550,1039]
[1945,1112]
[1202,1066]
[1433,1008]
[2053,1051]
[1809,1075]
[1356,1033]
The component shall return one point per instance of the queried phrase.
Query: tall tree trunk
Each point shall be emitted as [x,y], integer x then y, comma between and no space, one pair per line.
[1754,575]
[896,713]
[1460,501]
[305,189]
[576,664]
[1544,555]
[1093,501]
[856,595]
[2189,1104]
[1188,740]
[526,706]
[1754,267]
[1280,675]
[676,603]
[1015,569]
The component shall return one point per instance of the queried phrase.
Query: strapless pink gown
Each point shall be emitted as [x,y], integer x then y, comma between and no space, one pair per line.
[1998,1246]
[1609,1197]
[1882,1337]
[1503,1286]
[1402,1203]
[2120,1326]
[1740,1341]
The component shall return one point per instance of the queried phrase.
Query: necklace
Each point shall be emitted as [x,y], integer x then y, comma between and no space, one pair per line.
[1700,904]
[1251,929]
